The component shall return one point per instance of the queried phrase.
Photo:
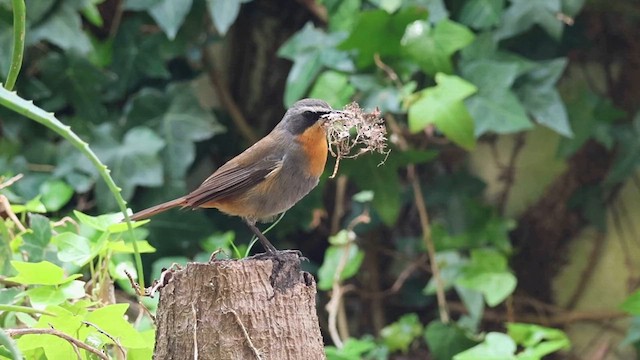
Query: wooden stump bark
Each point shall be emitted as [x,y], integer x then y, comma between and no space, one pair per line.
[247,309]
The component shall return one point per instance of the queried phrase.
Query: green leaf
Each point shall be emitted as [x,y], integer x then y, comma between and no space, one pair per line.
[342,237]
[442,106]
[378,32]
[35,241]
[500,113]
[540,97]
[632,304]
[488,273]
[183,124]
[137,55]
[481,14]
[332,258]
[400,334]
[446,340]
[334,88]
[134,162]
[73,248]
[77,82]
[352,349]
[55,194]
[537,340]
[496,346]
[127,247]
[111,319]
[43,296]
[223,13]
[495,108]
[53,346]
[523,14]
[62,28]
[8,343]
[41,273]
[32,206]
[432,48]
[310,49]
[170,14]
[101,223]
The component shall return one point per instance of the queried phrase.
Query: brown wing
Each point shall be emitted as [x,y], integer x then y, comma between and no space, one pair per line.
[232,179]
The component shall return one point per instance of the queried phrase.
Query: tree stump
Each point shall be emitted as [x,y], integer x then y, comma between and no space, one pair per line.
[246,309]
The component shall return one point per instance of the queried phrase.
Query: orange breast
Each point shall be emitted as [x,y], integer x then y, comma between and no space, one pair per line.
[314,144]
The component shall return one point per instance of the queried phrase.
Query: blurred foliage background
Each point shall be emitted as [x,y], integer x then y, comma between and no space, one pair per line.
[503,222]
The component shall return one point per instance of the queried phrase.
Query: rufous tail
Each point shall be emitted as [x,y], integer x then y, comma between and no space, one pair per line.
[147,213]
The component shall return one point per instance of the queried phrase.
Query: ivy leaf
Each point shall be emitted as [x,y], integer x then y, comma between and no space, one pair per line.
[537,340]
[310,49]
[378,32]
[523,14]
[170,14]
[111,320]
[133,162]
[400,334]
[334,88]
[442,106]
[632,304]
[184,123]
[495,108]
[62,28]
[41,273]
[43,296]
[488,273]
[136,55]
[73,248]
[332,258]
[55,194]
[36,240]
[432,47]
[541,98]
[53,346]
[446,340]
[224,13]
[78,82]
[482,14]
[495,346]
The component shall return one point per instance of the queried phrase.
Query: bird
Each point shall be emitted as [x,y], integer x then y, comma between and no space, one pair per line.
[269,177]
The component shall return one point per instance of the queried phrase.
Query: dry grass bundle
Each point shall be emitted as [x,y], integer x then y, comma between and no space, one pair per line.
[353,132]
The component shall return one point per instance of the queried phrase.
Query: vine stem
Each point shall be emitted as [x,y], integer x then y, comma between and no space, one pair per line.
[19,21]
[12,101]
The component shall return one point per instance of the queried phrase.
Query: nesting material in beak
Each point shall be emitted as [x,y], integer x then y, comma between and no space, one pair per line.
[352,132]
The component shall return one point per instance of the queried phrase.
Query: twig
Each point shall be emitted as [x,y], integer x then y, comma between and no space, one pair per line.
[134,284]
[508,175]
[338,211]
[246,334]
[60,334]
[424,223]
[222,89]
[4,204]
[11,181]
[560,319]
[115,341]
[332,309]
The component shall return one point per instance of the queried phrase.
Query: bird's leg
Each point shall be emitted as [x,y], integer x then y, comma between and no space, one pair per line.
[263,239]
[271,251]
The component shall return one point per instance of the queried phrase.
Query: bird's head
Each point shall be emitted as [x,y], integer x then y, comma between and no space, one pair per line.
[304,114]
